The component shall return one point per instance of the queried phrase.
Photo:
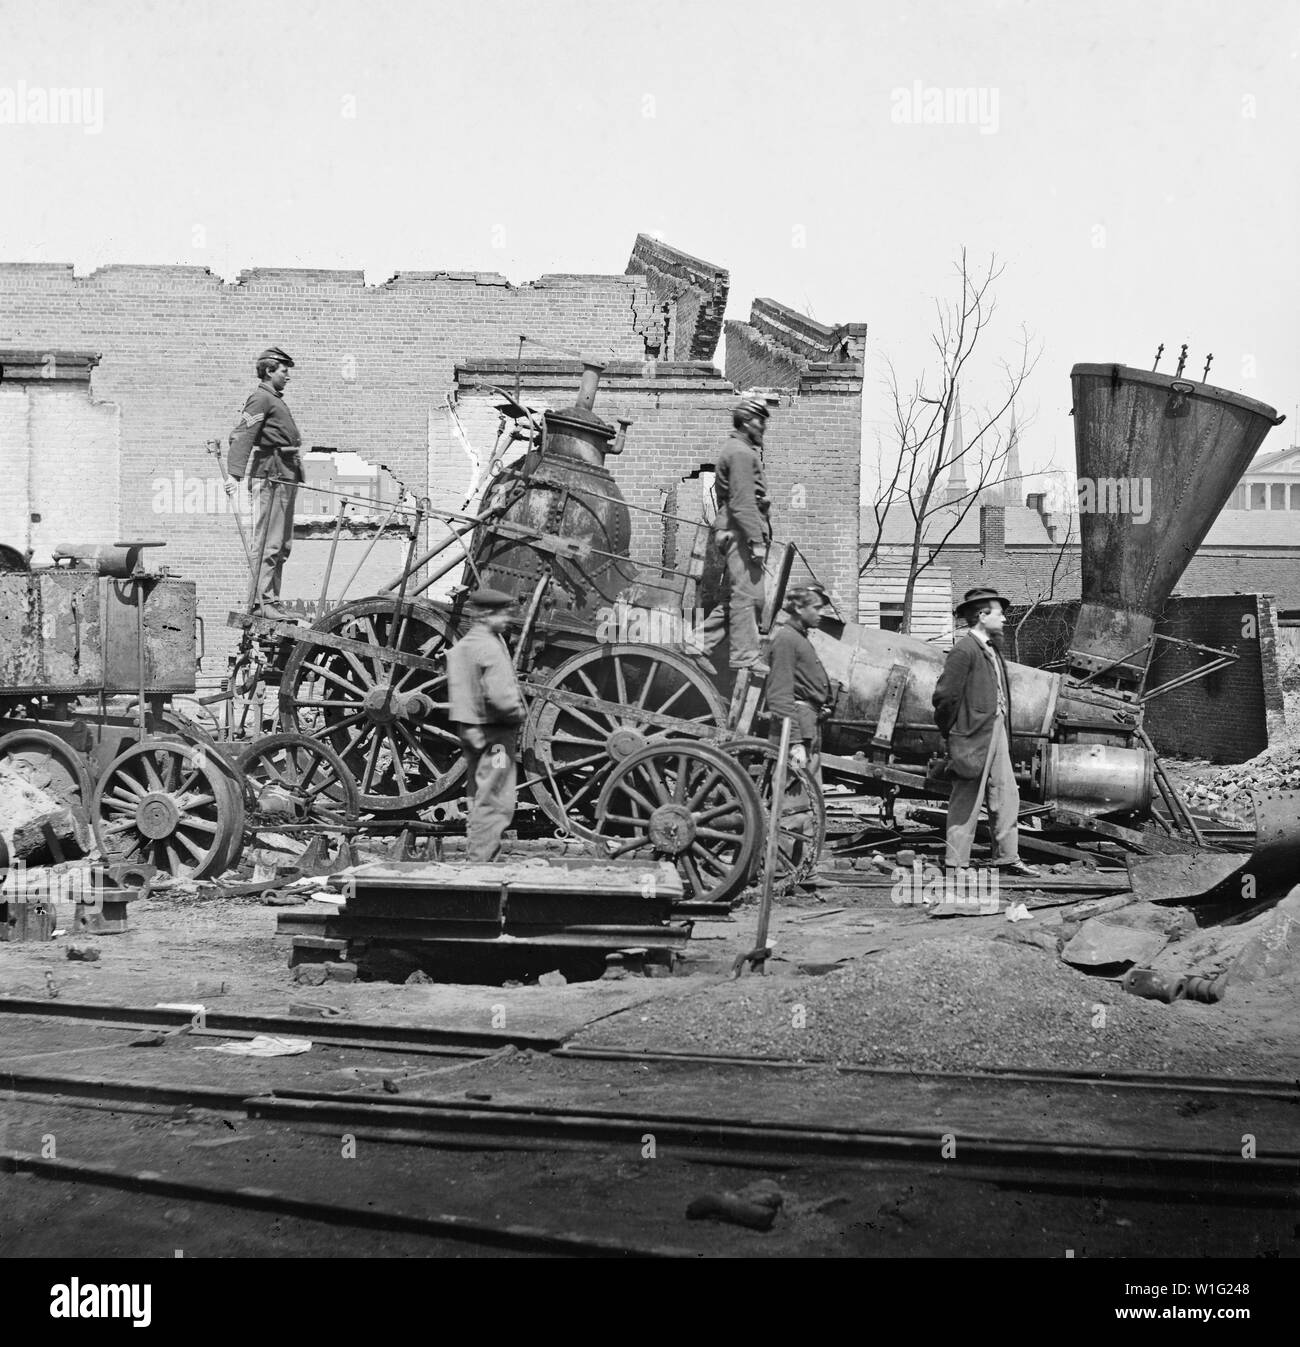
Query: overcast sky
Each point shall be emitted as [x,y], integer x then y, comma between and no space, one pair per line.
[1135,165]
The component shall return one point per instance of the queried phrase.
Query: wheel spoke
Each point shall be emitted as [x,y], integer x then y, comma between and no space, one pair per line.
[398,770]
[707,858]
[371,763]
[420,751]
[619,681]
[698,887]
[655,666]
[632,793]
[662,708]
[702,791]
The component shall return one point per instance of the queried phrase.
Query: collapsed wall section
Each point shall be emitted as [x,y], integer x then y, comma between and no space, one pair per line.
[689,298]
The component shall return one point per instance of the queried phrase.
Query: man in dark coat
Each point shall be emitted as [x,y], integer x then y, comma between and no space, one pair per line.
[487,707]
[972,708]
[265,444]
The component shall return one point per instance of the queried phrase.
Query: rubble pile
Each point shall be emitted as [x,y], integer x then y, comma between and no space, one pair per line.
[1276,768]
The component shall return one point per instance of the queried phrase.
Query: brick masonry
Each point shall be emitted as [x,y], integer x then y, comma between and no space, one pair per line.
[375,367]
[689,296]
[680,418]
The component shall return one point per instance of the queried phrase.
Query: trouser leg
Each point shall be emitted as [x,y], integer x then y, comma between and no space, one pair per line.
[963,815]
[491,792]
[273,505]
[1003,801]
[744,605]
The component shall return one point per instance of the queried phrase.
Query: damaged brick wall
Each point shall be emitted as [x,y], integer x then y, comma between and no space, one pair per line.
[688,294]
[1227,717]
[778,347]
[681,418]
[178,346]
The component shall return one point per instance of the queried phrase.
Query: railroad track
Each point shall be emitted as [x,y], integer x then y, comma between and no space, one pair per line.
[413,1126]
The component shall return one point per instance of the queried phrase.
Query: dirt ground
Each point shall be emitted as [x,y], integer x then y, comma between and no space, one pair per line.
[853,978]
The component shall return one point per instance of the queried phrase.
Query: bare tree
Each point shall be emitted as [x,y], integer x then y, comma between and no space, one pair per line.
[922,430]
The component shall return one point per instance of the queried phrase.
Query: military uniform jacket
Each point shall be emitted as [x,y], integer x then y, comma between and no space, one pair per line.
[966,699]
[266,432]
[481,682]
[798,685]
[741,488]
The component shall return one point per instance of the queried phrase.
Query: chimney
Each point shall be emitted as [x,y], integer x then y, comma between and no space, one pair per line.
[993,532]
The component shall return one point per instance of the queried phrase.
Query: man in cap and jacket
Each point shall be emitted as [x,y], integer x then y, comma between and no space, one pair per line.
[972,708]
[798,686]
[265,444]
[487,707]
[743,532]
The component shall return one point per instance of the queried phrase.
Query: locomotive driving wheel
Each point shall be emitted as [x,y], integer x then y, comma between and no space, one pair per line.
[605,708]
[294,779]
[689,803]
[385,718]
[803,811]
[171,804]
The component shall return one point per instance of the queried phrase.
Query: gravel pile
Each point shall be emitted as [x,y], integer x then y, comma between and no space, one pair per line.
[950,1005]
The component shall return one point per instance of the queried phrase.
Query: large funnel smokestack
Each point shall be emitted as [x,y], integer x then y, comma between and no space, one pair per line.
[1157,458]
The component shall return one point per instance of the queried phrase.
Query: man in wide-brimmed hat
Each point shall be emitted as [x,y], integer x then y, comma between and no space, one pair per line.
[972,708]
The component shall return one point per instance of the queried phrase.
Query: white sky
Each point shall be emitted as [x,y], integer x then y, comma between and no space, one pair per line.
[514,137]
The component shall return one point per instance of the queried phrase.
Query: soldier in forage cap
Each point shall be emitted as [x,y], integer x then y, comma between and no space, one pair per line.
[487,707]
[265,444]
[743,532]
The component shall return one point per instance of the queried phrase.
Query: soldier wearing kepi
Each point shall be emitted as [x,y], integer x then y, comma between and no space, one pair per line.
[798,685]
[972,708]
[265,443]
[487,707]
[743,532]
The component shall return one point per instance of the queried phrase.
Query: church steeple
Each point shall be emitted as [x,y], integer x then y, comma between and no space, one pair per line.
[1013,485]
[957,487]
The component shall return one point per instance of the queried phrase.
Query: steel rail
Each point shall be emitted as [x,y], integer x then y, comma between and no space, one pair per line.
[411,1037]
[423,1039]
[1267,1180]
[438,1225]
[1270,1176]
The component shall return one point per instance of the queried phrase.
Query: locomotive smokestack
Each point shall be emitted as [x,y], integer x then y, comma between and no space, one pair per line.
[587,388]
[1157,458]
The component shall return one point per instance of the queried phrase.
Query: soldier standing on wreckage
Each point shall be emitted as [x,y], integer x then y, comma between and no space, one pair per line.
[743,532]
[487,707]
[972,708]
[267,433]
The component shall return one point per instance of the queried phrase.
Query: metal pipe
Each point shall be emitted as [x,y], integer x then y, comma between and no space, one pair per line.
[591,373]
[329,562]
[758,955]
[366,554]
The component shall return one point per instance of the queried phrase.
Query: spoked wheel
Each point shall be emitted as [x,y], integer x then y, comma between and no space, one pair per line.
[803,812]
[43,760]
[604,711]
[170,804]
[294,779]
[384,713]
[689,803]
